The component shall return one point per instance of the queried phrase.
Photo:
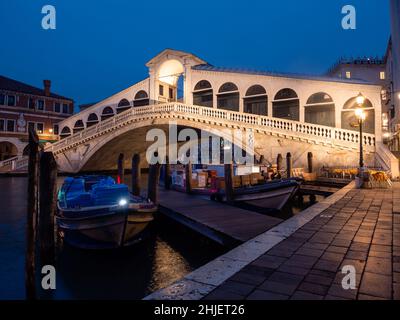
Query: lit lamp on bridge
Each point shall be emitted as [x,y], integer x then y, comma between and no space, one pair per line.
[361,116]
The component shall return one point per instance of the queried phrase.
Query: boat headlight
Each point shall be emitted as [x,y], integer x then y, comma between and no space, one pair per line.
[122,202]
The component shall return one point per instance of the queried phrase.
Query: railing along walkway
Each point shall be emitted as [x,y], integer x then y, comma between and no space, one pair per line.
[335,137]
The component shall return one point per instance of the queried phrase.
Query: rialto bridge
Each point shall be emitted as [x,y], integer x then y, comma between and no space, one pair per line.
[284,113]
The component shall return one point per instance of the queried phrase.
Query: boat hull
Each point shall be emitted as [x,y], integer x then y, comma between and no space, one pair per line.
[275,199]
[273,195]
[111,229]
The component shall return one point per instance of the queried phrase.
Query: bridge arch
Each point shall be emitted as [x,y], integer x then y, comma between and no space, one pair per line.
[123,105]
[170,80]
[65,132]
[256,100]
[141,98]
[92,120]
[106,152]
[7,150]
[78,126]
[203,94]
[320,109]
[286,105]
[170,71]
[349,119]
[228,97]
[107,112]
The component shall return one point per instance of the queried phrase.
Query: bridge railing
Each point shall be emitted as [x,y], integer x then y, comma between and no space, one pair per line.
[295,129]
[8,162]
[334,135]
[15,163]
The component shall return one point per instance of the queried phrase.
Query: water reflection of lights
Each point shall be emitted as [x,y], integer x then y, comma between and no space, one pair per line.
[168,266]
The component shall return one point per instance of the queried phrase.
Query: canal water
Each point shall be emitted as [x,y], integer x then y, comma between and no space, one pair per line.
[168,253]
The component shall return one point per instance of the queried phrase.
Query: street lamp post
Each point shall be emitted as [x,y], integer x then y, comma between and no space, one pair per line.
[360,114]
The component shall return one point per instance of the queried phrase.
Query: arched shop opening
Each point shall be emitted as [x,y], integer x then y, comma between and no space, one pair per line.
[92,120]
[286,105]
[349,119]
[203,94]
[108,112]
[228,97]
[123,105]
[256,100]
[320,110]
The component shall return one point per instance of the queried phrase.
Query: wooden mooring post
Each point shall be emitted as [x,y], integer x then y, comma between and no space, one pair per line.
[33,177]
[152,185]
[48,203]
[167,174]
[228,177]
[289,167]
[136,174]
[279,161]
[310,162]
[120,175]
[188,177]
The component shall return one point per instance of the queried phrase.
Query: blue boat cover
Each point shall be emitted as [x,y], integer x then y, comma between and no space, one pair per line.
[92,191]
[109,194]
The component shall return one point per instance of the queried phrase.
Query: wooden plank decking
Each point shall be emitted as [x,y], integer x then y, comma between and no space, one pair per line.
[220,222]
[321,190]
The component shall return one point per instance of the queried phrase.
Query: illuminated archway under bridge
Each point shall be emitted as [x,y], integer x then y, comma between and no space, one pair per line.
[134,141]
[97,147]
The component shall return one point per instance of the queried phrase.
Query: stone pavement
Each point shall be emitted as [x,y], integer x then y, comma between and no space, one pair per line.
[362,230]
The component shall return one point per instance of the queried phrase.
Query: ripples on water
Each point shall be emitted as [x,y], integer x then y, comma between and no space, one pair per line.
[169,253]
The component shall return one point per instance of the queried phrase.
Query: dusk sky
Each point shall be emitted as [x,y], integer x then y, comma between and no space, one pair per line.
[101,47]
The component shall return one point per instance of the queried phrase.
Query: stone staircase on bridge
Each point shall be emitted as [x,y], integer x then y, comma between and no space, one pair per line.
[14,164]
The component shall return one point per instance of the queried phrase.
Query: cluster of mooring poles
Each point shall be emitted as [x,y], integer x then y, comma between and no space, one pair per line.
[153,178]
[42,202]
[154,175]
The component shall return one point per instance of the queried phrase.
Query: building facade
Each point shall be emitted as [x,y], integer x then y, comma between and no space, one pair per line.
[22,107]
[392,88]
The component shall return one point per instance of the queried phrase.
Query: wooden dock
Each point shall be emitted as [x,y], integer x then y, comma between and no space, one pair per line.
[317,190]
[220,222]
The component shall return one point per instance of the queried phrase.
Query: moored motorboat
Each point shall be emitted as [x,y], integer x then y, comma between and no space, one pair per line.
[271,195]
[96,213]
[250,185]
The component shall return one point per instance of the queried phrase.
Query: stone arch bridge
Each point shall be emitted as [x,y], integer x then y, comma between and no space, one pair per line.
[97,147]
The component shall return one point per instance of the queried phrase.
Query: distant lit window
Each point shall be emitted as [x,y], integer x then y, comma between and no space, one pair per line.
[57,107]
[382,75]
[39,128]
[11,101]
[348,75]
[161,90]
[65,108]
[2,99]
[55,129]
[40,105]
[10,125]
[2,126]
[385,121]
